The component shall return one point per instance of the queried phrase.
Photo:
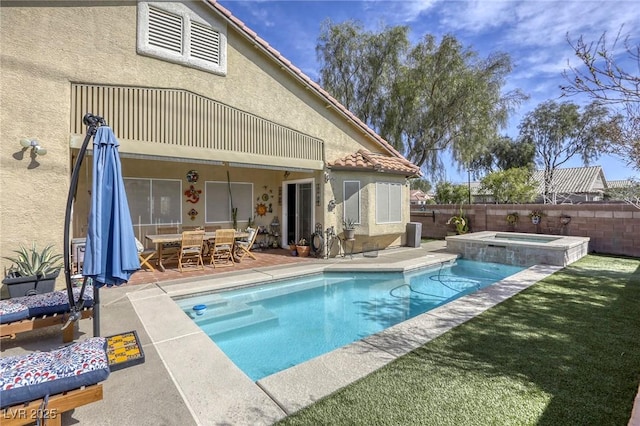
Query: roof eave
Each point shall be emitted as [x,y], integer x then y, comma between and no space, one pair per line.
[299,75]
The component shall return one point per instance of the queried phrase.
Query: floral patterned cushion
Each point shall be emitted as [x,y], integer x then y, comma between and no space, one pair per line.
[11,311]
[55,302]
[28,377]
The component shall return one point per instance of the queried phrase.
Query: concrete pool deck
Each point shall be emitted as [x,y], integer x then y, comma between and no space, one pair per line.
[186,379]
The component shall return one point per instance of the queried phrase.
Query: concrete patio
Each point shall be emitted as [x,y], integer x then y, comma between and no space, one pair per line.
[186,379]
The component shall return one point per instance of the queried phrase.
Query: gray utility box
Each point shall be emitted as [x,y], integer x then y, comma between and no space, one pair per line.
[414,234]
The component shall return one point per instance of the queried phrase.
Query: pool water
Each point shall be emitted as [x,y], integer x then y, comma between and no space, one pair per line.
[270,327]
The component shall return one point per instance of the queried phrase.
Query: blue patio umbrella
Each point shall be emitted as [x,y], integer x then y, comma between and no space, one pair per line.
[110,253]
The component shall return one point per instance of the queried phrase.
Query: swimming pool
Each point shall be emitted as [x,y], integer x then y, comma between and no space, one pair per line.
[267,328]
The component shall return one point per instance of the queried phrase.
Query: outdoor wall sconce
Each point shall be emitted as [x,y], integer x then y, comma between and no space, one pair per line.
[327,177]
[34,145]
[332,205]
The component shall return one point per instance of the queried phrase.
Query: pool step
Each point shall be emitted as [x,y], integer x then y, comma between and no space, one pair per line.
[258,315]
[212,301]
[222,312]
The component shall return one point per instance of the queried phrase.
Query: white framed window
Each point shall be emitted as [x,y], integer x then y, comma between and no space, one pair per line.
[388,202]
[218,202]
[154,201]
[173,32]
[351,191]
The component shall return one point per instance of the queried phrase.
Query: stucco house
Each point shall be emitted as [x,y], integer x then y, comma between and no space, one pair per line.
[203,108]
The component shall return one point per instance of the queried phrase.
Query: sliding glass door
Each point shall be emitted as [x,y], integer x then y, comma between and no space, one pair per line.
[298,210]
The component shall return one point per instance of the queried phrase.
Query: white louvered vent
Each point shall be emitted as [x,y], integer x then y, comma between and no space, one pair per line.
[205,43]
[165,30]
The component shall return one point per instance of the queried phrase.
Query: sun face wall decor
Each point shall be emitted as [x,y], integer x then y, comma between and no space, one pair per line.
[261,209]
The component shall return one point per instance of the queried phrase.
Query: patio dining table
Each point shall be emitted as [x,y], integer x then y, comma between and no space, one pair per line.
[161,239]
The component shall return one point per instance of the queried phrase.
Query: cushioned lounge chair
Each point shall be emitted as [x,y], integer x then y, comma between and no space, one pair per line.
[27,313]
[51,383]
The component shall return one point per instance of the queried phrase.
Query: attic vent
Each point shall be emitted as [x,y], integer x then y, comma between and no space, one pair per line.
[171,31]
[205,43]
[165,30]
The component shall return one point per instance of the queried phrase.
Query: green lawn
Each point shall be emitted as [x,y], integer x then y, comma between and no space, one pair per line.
[564,352]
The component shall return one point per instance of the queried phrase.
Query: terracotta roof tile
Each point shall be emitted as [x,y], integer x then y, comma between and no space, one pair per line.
[308,81]
[364,159]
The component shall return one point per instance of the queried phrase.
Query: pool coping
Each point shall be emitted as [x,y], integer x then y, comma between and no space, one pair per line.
[216,391]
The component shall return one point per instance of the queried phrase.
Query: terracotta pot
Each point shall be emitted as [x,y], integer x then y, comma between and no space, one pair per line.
[303,251]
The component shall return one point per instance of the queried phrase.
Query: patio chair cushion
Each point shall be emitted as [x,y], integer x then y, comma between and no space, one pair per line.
[38,374]
[11,311]
[55,302]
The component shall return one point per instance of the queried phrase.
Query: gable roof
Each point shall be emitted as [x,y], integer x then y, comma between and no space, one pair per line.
[297,73]
[573,180]
[366,160]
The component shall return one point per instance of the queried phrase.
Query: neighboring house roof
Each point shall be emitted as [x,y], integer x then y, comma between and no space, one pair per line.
[417,195]
[287,65]
[573,180]
[366,160]
[616,184]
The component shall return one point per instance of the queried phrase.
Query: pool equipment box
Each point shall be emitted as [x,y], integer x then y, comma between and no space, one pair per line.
[124,350]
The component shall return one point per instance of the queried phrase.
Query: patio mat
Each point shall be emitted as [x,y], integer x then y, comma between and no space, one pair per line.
[124,350]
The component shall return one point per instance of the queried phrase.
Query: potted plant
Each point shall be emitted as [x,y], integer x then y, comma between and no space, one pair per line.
[349,227]
[303,248]
[460,222]
[536,216]
[33,271]
[292,248]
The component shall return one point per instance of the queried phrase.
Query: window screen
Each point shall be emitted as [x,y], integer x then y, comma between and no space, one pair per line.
[154,201]
[388,202]
[218,203]
[352,200]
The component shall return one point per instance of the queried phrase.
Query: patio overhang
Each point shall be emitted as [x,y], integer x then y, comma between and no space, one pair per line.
[179,125]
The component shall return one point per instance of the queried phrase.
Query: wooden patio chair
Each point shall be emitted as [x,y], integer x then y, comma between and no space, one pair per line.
[244,247]
[169,250]
[145,256]
[222,248]
[191,250]
[208,244]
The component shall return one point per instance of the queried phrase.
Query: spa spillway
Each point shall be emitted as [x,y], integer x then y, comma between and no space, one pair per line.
[519,249]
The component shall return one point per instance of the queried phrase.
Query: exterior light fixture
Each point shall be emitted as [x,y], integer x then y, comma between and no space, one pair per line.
[34,145]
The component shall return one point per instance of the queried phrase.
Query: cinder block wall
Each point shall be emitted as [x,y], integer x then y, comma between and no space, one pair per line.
[613,228]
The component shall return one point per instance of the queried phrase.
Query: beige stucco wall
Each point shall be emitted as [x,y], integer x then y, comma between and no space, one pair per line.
[45,49]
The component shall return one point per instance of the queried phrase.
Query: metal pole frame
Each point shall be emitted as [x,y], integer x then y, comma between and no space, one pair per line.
[92,122]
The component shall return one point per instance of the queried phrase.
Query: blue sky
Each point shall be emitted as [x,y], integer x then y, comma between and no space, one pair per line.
[533,32]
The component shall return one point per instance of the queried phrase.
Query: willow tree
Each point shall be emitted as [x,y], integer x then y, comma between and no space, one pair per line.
[358,66]
[424,99]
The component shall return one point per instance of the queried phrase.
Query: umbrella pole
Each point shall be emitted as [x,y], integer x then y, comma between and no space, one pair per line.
[92,122]
[96,311]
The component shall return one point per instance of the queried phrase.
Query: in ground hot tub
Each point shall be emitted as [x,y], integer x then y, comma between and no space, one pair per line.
[520,249]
